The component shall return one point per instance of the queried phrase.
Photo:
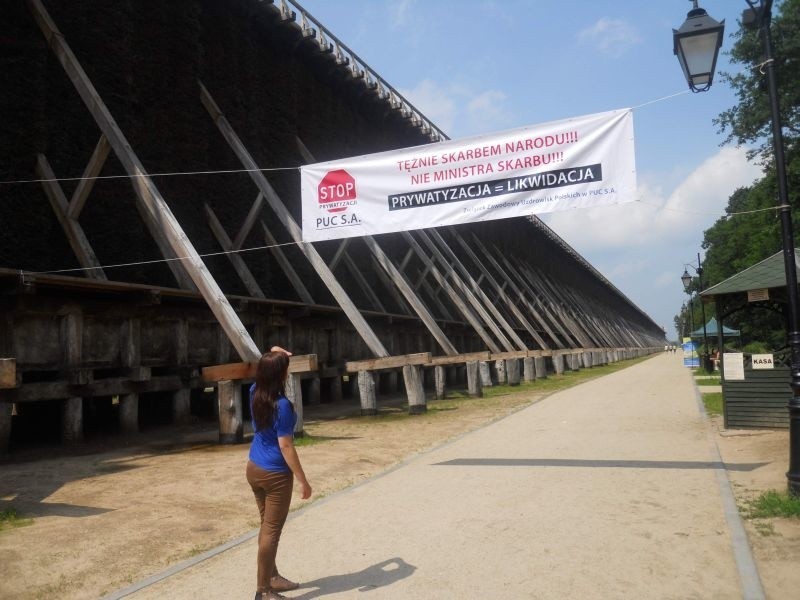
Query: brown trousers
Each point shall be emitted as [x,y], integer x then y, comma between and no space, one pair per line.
[273,492]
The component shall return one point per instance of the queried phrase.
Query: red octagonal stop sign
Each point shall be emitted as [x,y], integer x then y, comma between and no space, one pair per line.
[337,191]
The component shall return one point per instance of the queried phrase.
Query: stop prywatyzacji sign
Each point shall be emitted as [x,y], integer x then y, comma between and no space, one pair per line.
[576,163]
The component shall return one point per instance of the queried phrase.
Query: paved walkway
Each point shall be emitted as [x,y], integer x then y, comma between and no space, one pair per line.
[610,489]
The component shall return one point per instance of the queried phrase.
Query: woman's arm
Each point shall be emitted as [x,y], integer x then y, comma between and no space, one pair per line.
[286,444]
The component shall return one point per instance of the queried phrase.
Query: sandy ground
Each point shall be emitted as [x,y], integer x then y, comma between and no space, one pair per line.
[102,521]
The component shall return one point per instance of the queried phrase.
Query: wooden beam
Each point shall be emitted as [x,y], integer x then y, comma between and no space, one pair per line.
[388,362]
[302,363]
[250,220]
[236,260]
[337,291]
[163,223]
[87,181]
[8,373]
[286,266]
[438,361]
[356,274]
[500,290]
[72,229]
[510,355]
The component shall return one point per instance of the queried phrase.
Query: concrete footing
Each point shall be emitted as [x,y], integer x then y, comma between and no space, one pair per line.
[72,420]
[129,413]
[512,371]
[485,373]
[415,390]
[229,401]
[474,382]
[366,393]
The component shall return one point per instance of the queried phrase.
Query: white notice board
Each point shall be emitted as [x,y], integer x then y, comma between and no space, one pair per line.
[733,366]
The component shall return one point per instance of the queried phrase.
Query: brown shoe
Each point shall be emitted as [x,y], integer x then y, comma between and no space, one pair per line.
[279,583]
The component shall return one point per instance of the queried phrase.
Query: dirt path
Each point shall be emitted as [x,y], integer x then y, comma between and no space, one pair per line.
[102,521]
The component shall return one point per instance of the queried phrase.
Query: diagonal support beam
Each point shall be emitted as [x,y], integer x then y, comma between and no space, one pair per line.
[337,291]
[286,266]
[73,230]
[86,183]
[236,260]
[165,225]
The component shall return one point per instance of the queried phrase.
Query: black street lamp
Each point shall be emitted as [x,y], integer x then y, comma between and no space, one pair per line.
[697,44]
[759,14]
[686,279]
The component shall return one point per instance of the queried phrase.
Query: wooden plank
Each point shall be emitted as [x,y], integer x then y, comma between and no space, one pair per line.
[509,355]
[163,223]
[87,181]
[355,273]
[388,362]
[460,358]
[301,363]
[250,220]
[286,266]
[72,229]
[8,373]
[236,260]
[337,291]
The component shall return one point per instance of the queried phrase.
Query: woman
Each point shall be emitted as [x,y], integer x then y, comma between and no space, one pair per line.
[272,462]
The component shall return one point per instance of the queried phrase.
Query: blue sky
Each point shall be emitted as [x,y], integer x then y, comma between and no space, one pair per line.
[476,66]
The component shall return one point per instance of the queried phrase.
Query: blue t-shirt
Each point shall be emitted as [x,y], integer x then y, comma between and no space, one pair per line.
[265,451]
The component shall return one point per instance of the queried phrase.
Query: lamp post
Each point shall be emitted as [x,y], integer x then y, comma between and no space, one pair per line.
[686,279]
[695,57]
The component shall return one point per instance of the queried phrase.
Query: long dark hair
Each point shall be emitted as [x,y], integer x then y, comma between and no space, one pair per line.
[273,368]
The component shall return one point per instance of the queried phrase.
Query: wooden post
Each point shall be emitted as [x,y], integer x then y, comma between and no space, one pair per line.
[486,374]
[129,413]
[294,392]
[412,377]
[500,368]
[182,406]
[229,401]
[439,377]
[528,369]
[6,408]
[474,387]
[512,371]
[540,367]
[558,364]
[366,392]
[72,420]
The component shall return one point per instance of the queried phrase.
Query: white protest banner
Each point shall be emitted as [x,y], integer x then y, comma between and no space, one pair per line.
[575,163]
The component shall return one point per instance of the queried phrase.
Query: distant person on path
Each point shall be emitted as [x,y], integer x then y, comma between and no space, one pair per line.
[272,466]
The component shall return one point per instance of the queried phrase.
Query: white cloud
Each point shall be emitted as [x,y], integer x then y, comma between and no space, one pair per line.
[459,110]
[399,12]
[693,206]
[610,36]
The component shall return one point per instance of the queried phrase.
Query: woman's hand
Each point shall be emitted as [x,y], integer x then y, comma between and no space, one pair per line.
[305,490]
[279,349]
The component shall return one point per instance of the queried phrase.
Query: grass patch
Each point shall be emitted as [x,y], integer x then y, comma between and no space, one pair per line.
[309,440]
[772,504]
[10,520]
[714,381]
[713,403]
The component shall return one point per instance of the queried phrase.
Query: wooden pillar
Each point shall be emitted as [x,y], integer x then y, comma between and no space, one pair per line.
[229,401]
[558,364]
[512,371]
[129,413]
[502,376]
[474,387]
[528,369]
[72,420]
[440,381]
[366,392]
[294,392]
[6,409]
[181,406]
[412,377]
[540,367]
[486,374]
[72,408]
